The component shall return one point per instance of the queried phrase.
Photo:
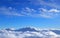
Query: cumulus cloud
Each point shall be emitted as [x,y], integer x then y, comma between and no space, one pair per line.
[28,11]
[49,13]
[28,34]
[40,12]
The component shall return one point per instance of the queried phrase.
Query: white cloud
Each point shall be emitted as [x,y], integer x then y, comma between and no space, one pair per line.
[18,34]
[48,3]
[49,13]
[54,10]
[28,11]
[9,11]
[40,12]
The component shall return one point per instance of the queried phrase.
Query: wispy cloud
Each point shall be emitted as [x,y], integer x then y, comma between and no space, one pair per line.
[28,11]
[40,12]
[48,3]
[9,11]
[49,13]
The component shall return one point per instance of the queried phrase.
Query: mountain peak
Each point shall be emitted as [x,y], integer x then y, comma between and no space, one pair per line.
[27,29]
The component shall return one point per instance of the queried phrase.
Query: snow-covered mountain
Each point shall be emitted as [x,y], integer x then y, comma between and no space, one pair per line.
[29,32]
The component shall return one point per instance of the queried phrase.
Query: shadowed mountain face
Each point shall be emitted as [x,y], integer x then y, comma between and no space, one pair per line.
[24,29]
[56,31]
[27,29]
[29,33]
[33,37]
[32,30]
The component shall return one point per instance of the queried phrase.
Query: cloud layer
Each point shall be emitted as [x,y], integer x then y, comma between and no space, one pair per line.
[28,34]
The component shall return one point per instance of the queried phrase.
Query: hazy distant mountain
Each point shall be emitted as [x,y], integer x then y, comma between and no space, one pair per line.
[27,29]
[29,33]
[56,31]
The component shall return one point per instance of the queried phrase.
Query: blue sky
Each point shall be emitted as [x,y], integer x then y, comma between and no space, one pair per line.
[34,13]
